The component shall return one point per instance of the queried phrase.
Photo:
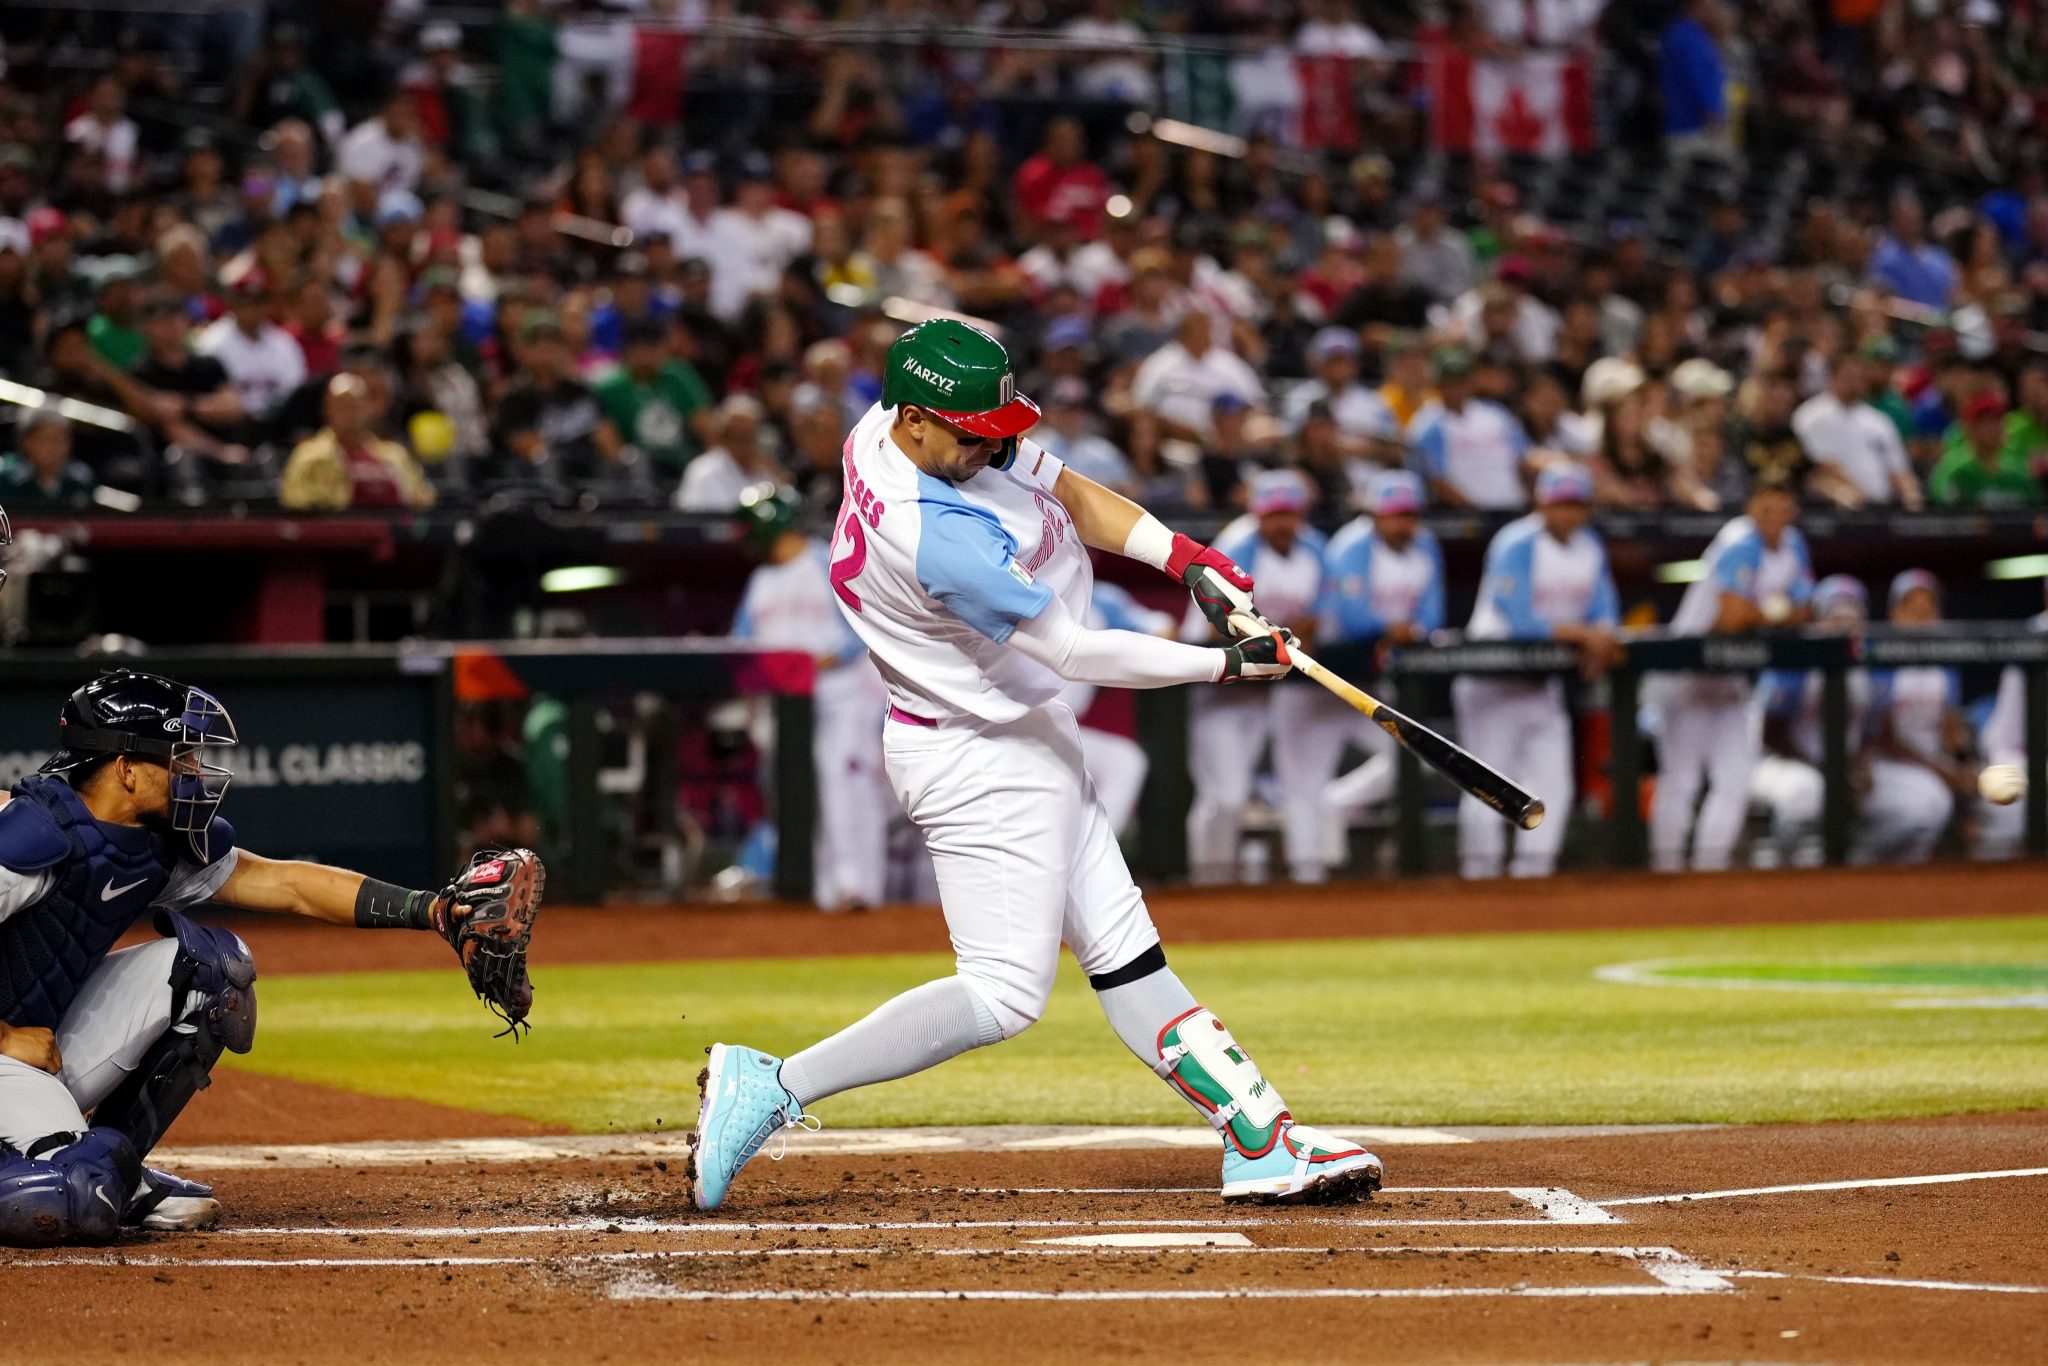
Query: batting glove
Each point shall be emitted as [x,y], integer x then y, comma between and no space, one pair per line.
[1219,587]
[1258,659]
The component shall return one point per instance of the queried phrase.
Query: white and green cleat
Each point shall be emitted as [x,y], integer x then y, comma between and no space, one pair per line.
[1267,1157]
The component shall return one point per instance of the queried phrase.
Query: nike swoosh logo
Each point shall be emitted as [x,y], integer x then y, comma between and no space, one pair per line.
[101,1193]
[110,891]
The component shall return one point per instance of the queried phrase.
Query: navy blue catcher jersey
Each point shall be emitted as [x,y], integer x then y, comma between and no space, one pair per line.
[71,885]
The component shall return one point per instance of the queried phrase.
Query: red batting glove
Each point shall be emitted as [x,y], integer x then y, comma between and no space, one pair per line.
[1218,586]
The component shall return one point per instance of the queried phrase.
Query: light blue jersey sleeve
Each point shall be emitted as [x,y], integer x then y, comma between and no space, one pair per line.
[1429,611]
[1802,582]
[1240,541]
[1517,435]
[1428,445]
[1510,574]
[1346,606]
[1736,568]
[1779,692]
[969,563]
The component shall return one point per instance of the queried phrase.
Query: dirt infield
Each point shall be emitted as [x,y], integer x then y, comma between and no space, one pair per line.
[1499,1251]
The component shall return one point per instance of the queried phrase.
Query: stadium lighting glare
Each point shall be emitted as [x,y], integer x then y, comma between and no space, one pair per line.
[1119,206]
[1682,571]
[581,578]
[2018,567]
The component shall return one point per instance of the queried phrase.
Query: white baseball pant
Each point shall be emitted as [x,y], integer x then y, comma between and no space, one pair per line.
[1522,728]
[851,861]
[1117,764]
[1023,853]
[121,1010]
[1305,728]
[1706,739]
[1793,791]
[1347,797]
[1903,814]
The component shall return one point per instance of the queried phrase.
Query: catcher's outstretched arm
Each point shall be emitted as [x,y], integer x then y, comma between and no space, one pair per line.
[289,887]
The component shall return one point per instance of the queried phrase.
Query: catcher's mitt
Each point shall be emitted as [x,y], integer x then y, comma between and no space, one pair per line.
[486,914]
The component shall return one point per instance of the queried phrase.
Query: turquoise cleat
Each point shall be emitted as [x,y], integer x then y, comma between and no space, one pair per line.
[742,1104]
[1304,1166]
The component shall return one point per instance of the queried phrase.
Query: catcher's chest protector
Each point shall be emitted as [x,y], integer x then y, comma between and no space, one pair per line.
[105,880]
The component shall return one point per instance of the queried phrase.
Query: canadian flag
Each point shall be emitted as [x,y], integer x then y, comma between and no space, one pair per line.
[1535,103]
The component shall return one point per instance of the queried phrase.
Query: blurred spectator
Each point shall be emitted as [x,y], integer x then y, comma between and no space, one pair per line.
[1180,383]
[1059,185]
[552,435]
[262,361]
[657,402]
[1470,449]
[1365,424]
[1982,465]
[752,241]
[346,465]
[384,151]
[1435,258]
[1693,79]
[1856,450]
[1069,433]
[715,480]
[103,129]
[42,474]
[1909,265]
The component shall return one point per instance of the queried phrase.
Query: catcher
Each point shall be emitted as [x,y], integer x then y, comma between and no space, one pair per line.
[121,822]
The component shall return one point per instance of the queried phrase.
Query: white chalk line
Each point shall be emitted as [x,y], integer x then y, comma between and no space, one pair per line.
[1895,1283]
[663,1291]
[1871,1183]
[878,1226]
[1645,1255]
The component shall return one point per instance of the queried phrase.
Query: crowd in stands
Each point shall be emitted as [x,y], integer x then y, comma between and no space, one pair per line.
[649,253]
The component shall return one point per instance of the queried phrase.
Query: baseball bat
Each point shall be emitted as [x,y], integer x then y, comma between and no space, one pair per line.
[1493,788]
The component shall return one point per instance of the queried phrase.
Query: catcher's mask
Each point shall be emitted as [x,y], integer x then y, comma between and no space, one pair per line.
[157,718]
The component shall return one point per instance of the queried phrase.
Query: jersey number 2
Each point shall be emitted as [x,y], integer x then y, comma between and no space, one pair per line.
[850,563]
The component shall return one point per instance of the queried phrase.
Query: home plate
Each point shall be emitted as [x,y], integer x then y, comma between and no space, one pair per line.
[1174,1239]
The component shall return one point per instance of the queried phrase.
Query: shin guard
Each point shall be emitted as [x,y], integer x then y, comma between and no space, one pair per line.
[1199,1058]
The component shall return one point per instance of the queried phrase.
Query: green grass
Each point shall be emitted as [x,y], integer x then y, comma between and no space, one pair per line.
[1468,1029]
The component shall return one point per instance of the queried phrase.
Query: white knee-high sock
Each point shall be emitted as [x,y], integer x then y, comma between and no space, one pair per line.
[921,1028]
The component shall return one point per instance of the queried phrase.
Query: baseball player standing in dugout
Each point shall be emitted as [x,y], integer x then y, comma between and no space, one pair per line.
[961,559]
[121,822]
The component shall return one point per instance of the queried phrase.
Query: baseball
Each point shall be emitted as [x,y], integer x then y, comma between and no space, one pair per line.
[2002,783]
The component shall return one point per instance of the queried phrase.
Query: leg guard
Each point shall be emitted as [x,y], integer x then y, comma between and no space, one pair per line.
[1199,1058]
[68,1188]
[213,985]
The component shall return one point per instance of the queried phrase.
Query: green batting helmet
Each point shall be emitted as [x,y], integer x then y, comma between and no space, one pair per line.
[960,375]
[766,511]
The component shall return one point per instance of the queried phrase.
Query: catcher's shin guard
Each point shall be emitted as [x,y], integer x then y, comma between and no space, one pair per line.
[214,999]
[67,1188]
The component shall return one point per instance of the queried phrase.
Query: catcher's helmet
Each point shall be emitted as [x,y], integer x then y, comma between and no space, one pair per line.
[960,374]
[766,511]
[154,717]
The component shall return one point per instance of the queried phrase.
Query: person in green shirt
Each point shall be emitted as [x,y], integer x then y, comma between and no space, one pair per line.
[1979,466]
[2026,427]
[653,398]
[525,43]
[113,329]
[43,474]
[1881,359]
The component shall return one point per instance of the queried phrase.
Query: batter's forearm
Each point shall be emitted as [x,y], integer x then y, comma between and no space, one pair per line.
[1112,659]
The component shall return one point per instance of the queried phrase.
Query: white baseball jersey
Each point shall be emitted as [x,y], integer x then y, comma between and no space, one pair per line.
[791,606]
[934,576]
[1534,582]
[1373,586]
[1738,562]
[1917,701]
[1794,697]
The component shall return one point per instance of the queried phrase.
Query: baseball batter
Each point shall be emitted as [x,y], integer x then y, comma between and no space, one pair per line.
[121,822]
[1302,726]
[1546,578]
[1385,585]
[1787,779]
[789,603]
[1758,574]
[961,560]
[1916,732]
